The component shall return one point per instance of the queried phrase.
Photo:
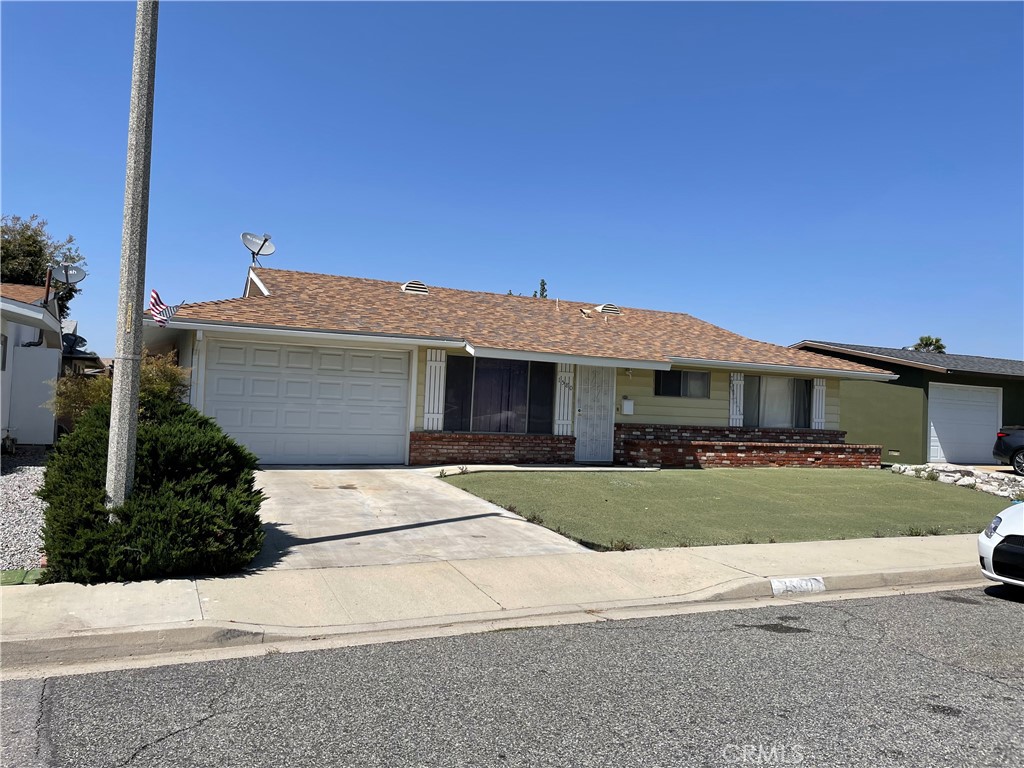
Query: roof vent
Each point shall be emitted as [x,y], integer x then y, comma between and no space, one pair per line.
[608,309]
[415,286]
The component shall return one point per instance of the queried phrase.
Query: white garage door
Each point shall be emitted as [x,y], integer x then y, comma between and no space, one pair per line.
[293,404]
[962,422]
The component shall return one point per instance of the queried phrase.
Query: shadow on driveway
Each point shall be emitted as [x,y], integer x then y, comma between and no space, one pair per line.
[279,543]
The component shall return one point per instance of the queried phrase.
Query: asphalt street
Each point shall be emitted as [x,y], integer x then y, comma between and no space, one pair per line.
[931,680]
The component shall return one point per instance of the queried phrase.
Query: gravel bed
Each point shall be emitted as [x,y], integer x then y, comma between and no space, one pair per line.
[21,511]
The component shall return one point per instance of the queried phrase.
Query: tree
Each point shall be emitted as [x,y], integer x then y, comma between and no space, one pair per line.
[930,344]
[543,289]
[28,250]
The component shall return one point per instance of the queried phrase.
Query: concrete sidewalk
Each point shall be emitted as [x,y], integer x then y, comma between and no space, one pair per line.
[63,623]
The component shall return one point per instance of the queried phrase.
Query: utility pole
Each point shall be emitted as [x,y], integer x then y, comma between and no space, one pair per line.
[124,407]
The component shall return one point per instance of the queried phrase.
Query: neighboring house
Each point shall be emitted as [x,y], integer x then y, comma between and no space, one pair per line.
[31,340]
[319,369]
[74,359]
[941,408]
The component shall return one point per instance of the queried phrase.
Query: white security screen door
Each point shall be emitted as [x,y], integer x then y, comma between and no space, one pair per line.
[595,413]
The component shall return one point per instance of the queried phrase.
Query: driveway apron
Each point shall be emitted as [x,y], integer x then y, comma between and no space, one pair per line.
[326,518]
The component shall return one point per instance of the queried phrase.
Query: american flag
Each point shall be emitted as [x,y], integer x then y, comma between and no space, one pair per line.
[161,312]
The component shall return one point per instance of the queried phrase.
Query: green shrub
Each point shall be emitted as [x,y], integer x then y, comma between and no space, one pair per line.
[160,379]
[193,510]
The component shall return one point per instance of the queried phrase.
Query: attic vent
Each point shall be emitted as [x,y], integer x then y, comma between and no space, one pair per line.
[415,286]
[608,309]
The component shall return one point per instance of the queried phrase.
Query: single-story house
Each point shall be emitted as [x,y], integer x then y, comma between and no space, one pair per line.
[942,408]
[30,335]
[320,369]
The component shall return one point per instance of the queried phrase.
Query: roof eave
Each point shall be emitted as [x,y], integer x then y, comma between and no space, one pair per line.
[32,315]
[557,357]
[783,369]
[870,356]
[275,330]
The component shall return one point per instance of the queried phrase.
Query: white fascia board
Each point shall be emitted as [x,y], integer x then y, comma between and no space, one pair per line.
[811,347]
[552,357]
[301,333]
[32,315]
[782,369]
[258,282]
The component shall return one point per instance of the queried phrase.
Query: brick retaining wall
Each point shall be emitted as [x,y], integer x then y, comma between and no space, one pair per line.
[702,454]
[687,434]
[427,448]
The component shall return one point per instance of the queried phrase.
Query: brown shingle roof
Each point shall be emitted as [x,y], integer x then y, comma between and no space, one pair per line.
[304,300]
[29,294]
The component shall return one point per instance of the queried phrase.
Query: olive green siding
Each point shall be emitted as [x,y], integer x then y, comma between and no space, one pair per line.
[877,413]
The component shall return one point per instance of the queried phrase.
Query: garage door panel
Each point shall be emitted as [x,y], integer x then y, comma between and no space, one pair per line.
[266,357]
[228,417]
[392,393]
[228,386]
[230,355]
[263,387]
[296,418]
[305,405]
[298,389]
[394,364]
[330,390]
[299,358]
[362,362]
[332,361]
[261,418]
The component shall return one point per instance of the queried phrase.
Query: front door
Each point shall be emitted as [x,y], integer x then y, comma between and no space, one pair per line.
[595,413]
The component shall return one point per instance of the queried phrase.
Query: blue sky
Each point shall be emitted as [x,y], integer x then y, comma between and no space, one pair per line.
[850,172]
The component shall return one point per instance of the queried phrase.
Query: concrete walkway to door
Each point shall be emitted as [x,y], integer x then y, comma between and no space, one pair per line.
[320,517]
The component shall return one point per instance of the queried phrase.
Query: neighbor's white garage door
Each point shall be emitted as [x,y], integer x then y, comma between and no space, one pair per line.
[962,422]
[293,404]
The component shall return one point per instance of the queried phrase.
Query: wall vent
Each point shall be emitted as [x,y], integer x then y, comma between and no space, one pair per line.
[415,286]
[608,309]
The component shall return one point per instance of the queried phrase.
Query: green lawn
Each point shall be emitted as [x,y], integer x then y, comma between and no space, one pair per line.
[674,508]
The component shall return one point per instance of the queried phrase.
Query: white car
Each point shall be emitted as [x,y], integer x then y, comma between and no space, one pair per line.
[1001,547]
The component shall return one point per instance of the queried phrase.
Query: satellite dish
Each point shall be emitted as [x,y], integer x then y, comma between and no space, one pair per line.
[258,245]
[73,342]
[68,273]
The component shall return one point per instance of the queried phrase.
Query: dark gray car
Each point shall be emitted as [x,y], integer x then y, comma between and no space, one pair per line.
[1009,448]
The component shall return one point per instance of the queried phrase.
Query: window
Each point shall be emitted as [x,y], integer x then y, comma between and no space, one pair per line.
[682,383]
[489,395]
[776,401]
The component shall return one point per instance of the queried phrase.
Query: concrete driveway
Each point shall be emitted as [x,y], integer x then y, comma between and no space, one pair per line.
[325,518]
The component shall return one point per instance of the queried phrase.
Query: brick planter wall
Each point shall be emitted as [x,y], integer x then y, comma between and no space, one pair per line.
[702,454]
[426,448]
[666,433]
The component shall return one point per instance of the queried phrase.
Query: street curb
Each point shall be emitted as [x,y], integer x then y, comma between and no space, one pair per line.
[122,643]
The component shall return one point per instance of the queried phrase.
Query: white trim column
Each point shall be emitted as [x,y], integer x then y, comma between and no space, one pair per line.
[818,405]
[564,399]
[735,399]
[198,383]
[433,390]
